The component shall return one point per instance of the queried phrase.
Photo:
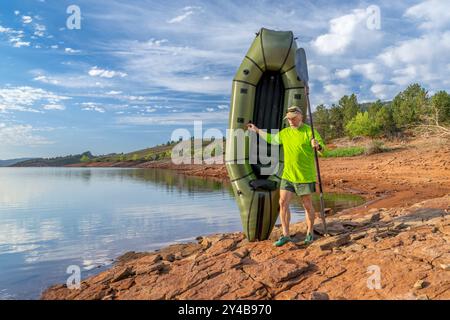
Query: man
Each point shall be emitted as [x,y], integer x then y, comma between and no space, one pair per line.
[299,174]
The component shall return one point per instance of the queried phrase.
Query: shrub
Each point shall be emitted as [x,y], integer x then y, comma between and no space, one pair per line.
[375,146]
[343,152]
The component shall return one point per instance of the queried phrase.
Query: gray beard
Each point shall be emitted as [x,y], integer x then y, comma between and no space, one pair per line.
[298,126]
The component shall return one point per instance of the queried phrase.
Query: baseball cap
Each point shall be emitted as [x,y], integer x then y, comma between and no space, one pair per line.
[293,112]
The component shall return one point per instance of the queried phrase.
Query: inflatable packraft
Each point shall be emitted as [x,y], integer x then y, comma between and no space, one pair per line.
[265,85]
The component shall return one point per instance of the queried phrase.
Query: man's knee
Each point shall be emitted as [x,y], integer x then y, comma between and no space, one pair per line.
[283,202]
[307,202]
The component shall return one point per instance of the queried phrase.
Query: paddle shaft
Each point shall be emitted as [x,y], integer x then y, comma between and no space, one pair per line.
[316,158]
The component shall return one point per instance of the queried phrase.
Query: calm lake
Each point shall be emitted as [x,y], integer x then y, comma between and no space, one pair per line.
[52,218]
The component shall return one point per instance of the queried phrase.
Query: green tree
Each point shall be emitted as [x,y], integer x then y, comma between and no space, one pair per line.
[362,125]
[135,157]
[440,107]
[85,158]
[374,108]
[336,122]
[322,122]
[384,121]
[350,107]
[409,106]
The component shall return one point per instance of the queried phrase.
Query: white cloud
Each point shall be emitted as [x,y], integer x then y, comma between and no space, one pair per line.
[222,107]
[414,60]
[343,73]
[112,92]
[69,80]
[92,106]
[39,30]
[180,17]
[177,68]
[27,19]
[5,30]
[210,109]
[370,71]
[336,91]
[430,47]
[383,91]
[435,14]
[54,107]
[16,12]
[20,135]
[55,46]
[19,44]
[177,118]
[319,72]
[345,31]
[70,50]
[150,109]
[15,37]
[97,72]
[187,12]
[25,98]
[134,98]
[46,79]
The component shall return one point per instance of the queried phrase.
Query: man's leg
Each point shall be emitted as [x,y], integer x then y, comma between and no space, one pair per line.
[309,212]
[285,214]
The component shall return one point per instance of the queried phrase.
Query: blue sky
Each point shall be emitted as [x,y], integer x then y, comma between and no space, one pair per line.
[137,70]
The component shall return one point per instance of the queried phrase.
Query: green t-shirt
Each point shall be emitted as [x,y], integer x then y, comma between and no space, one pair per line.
[299,166]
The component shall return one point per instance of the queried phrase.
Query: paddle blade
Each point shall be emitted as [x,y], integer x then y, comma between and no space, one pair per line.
[301,65]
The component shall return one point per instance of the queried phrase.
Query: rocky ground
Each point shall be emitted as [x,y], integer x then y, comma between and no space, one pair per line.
[401,234]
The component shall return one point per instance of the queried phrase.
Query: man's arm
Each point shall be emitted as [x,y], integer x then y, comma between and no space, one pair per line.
[317,143]
[270,138]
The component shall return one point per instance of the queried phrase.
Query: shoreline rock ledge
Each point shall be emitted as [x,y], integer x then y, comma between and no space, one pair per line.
[407,246]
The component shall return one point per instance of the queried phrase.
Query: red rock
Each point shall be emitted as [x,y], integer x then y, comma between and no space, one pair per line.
[315,295]
[333,242]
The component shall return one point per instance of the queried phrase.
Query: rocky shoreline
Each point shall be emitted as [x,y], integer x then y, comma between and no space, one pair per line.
[393,247]
[408,246]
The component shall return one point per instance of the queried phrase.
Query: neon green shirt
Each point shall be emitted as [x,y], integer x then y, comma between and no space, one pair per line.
[299,166]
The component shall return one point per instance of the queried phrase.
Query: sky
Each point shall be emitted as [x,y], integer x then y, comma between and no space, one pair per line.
[135,71]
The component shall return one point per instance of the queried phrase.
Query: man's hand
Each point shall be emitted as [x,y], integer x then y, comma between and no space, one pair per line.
[315,144]
[252,127]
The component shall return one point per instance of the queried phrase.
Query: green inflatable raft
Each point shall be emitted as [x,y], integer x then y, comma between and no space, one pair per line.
[265,85]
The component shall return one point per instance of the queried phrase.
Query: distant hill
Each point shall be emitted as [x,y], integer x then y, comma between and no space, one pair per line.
[55,162]
[10,162]
[159,152]
[365,105]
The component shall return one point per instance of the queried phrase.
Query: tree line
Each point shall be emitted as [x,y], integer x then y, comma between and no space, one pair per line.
[410,108]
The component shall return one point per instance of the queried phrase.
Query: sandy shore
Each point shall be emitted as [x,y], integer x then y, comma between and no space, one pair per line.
[394,247]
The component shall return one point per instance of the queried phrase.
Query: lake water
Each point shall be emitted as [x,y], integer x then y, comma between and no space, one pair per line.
[52,218]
